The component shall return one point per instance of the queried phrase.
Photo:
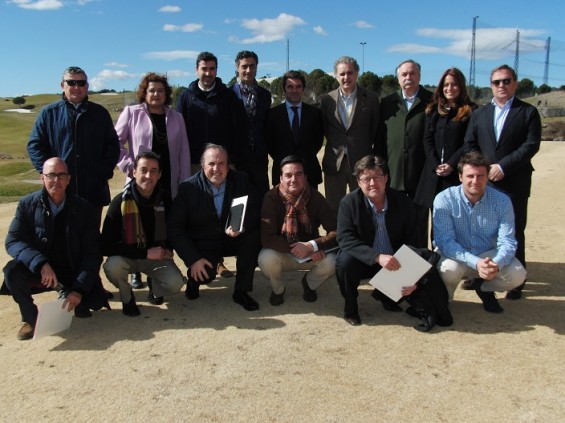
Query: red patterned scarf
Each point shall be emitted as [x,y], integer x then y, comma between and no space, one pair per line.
[295,214]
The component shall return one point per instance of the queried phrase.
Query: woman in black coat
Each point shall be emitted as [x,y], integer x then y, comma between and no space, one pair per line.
[447,117]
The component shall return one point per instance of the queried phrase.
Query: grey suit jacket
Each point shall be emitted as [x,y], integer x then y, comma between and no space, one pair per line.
[361,135]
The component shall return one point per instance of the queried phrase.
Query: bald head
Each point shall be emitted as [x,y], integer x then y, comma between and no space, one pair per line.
[54,162]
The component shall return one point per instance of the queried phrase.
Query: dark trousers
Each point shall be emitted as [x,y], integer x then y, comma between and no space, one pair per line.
[520,205]
[22,285]
[349,272]
[258,173]
[246,248]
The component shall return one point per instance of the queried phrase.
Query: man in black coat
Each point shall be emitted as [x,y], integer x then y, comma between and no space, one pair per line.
[55,242]
[300,136]
[197,225]
[508,132]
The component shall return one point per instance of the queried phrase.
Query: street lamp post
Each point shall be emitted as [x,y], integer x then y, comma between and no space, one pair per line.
[363,57]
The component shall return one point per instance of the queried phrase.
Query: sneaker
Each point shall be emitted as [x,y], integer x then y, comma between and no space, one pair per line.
[276,299]
[136,281]
[131,309]
[152,299]
[309,295]
[26,332]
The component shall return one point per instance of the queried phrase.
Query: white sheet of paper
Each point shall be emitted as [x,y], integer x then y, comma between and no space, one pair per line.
[305,259]
[52,319]
[412,268]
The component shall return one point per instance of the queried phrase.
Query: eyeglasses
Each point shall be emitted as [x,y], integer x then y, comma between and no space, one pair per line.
[367,179]
[73,82]
[156,91]
[498,82]
[54,176]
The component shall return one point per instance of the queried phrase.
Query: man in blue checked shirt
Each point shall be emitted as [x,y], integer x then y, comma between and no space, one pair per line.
[474,232]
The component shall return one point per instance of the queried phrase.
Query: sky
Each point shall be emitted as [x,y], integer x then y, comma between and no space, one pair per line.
[117,41]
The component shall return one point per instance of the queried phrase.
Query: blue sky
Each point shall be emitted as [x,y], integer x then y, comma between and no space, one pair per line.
[117,41]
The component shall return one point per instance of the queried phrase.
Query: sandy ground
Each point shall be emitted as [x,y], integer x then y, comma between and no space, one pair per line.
[210,361]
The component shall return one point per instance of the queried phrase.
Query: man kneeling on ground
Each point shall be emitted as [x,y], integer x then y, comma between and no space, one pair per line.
[291,214]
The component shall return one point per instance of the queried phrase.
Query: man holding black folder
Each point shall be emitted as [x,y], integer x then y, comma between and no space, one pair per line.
[291,214]
[199,230]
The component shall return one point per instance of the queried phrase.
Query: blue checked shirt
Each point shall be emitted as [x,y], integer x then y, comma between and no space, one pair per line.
[462,230]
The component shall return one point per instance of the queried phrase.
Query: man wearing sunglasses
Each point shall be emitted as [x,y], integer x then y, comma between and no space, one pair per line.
[82,134]
[508,132]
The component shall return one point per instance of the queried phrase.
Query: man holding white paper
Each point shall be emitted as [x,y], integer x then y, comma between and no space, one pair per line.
[291,215]
[55,244]
[197,225]
[373,222]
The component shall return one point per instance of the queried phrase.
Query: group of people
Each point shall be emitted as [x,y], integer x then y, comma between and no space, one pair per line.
[400,157]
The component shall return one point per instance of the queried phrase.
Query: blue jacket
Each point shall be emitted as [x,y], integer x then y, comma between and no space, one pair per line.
[32,231]
[85,139]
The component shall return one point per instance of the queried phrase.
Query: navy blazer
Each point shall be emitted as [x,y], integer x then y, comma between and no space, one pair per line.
[519,141]
[356,230]
[280,142]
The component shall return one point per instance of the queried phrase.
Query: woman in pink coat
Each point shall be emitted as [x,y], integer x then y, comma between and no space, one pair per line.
[152,125]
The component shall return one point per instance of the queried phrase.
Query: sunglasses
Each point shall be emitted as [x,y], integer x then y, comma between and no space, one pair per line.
[498,82]
[73,82]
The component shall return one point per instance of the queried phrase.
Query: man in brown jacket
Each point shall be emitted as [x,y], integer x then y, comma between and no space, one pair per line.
[291,214]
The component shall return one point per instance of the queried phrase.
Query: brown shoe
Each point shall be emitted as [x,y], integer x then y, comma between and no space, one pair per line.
[223,271]
[26,332]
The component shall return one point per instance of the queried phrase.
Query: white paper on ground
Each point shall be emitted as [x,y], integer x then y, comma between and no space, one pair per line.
[52,319]
[412,268]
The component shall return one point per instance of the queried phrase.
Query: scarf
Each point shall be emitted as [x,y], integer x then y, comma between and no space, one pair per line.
[133,227]
[295,213]
[250,97]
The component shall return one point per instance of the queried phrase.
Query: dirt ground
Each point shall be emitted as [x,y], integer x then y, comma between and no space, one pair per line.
[210,361]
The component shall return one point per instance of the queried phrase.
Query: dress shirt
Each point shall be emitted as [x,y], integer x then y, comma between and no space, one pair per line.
[381,244]
[500,114]
[462,230]
[290,112]
[218,196]
[345,107]
[409,100]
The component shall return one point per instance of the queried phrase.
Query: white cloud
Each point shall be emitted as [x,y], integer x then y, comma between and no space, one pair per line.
[363,25]
[171,55]
[170,9]
[101,80]
[490,43]
[38,5]
[116,65]
[319,30]
[189,27]
[269,30]
[177,73]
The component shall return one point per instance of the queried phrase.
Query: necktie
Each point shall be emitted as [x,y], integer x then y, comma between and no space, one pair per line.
[295,124]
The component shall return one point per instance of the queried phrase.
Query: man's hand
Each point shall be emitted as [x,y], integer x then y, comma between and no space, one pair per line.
[198,270]
[487,268]
[443,170]
[231,232]
[318,255]
[407,290]
[73,299]
[388,262]
[495,173]
[48,277]
[301,249]
[159,253]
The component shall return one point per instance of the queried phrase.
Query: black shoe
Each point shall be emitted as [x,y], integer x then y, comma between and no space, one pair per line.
[428,322]
[131,309]
[418,313]
[152,299]
[353,320]
[223,271]
[108,294]
[244,299]
[82,311]
[514,294]
[136,282]
[386,302]
[471,284]
[192,290]
[276,299]
[309,295]
[490,303]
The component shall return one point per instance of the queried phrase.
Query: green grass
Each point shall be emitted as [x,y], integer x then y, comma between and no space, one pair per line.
[17,178]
